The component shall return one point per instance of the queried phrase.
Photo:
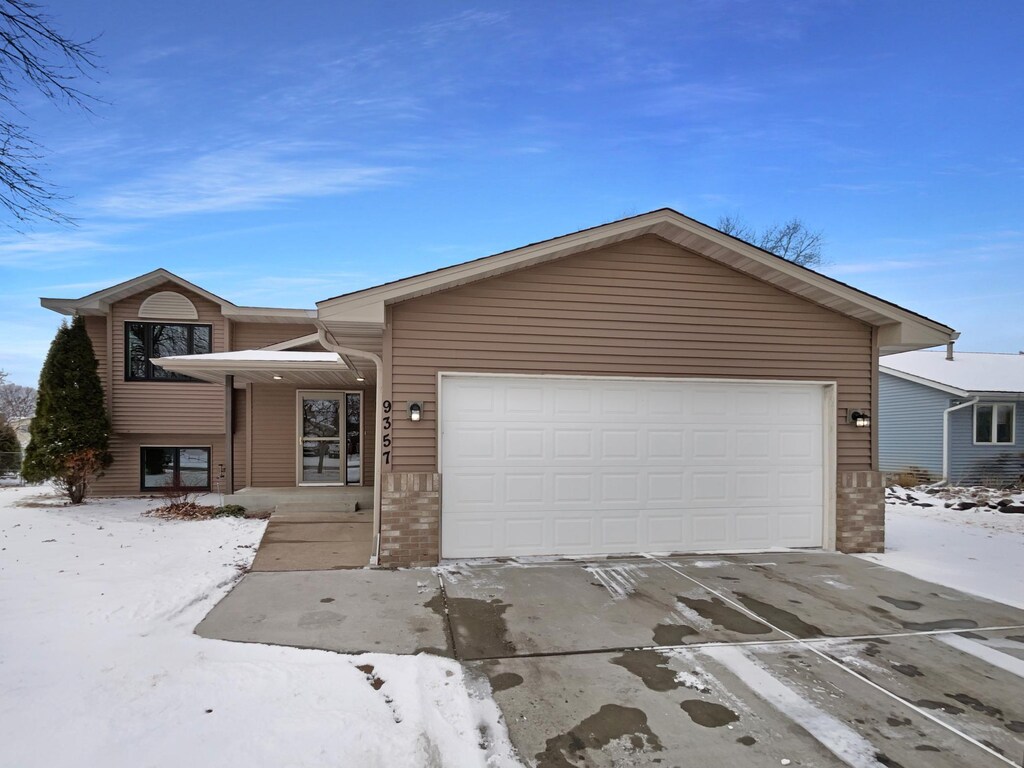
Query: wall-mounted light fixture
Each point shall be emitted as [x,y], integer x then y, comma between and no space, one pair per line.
[277,377]
[860,419]
[360,378]
[415,409]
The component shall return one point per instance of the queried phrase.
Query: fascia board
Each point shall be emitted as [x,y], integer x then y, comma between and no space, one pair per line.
[926,382]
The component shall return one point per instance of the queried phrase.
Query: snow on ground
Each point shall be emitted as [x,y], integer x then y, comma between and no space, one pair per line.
[99,665]
[978,550]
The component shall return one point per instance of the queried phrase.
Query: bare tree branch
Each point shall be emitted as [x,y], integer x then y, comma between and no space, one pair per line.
[16,401]
[792,240]
[33,53]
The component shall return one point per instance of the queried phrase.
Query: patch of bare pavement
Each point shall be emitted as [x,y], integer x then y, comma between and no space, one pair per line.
[781,659]
[744,660]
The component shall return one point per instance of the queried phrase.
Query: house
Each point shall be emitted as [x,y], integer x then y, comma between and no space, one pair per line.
[651,384]
[954,416]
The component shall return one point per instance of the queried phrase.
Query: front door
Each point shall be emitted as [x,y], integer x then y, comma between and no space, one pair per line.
[329,438]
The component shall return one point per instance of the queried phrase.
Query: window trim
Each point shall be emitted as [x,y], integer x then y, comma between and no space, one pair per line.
[175,378]
[177,470]
[339,394]
[992,441]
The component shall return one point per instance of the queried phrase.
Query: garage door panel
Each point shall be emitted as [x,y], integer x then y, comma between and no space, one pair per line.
[668,533]
[666,489]
[754,529]
[465,490]
[600,466]
[794,524]
[665,444]
[523,443]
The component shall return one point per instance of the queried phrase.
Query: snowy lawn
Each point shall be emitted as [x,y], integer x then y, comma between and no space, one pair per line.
[978,549]
[99,666]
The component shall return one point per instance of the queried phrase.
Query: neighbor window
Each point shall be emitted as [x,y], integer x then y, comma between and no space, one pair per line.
[993,423]
[175,468]
[144,341]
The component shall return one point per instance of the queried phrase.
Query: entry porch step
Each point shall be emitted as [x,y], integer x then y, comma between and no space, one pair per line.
[338,499]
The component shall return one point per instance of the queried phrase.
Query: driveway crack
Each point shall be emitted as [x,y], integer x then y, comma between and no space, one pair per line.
[449,633]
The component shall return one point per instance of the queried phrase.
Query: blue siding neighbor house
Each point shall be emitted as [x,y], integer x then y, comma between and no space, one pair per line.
[959,417]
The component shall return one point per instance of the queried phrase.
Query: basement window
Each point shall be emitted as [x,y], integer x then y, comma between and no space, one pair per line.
[993,423]
[144,341]
[166,469]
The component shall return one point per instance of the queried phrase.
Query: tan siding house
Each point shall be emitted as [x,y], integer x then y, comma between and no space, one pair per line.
[647,385]
[641,308]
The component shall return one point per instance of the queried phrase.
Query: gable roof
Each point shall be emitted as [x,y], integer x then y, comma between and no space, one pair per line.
[900,329]
[966,373]
[98,302]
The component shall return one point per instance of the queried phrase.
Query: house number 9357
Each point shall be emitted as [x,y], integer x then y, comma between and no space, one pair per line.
[386,432]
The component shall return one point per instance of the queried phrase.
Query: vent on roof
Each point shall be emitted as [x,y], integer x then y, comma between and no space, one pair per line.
[169,305]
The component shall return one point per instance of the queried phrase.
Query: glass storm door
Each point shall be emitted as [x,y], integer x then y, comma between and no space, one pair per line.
[329,438]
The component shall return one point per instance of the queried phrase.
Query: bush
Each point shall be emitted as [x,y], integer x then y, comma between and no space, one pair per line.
[229,510]
[911,476]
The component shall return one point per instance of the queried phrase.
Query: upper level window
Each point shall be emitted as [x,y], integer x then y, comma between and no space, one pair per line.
[993,422]
[144,341]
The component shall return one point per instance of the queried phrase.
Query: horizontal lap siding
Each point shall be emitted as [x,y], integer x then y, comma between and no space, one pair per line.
[164,406]
[275,433]
[123,475]
[909,425]
[985,464]
[257,335]
[273,436]
[640,308]
[96,328]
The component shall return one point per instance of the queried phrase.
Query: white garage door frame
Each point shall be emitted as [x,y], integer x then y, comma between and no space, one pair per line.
[828,419]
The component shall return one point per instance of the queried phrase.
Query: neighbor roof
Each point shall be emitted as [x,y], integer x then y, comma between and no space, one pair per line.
[98,302]
[967,371]
[899,329]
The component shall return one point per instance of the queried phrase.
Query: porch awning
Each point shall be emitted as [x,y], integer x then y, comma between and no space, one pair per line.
[258,366]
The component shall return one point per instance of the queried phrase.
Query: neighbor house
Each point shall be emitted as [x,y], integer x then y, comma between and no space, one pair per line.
[951,415]
[651,384]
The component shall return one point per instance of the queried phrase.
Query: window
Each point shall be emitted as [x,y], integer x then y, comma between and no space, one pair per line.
[166,468]
[993,423]
[144,341]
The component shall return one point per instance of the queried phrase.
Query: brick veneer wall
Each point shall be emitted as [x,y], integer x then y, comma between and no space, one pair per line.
[410,516]
[860,512]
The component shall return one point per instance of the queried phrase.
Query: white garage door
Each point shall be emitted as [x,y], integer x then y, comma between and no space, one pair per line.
[543,466]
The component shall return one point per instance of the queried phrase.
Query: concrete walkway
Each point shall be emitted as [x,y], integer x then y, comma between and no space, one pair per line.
[816,659]
[302,538]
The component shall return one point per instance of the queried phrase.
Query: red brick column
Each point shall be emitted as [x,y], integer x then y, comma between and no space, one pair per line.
[860,512]
[410,517]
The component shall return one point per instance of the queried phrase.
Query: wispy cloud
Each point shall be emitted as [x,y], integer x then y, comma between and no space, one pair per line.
[58,248]
[240,179]
[865,267]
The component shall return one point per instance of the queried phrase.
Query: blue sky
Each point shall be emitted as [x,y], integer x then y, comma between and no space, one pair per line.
[279,153]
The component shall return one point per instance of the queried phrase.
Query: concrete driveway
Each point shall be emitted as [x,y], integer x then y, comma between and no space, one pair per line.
[817,659]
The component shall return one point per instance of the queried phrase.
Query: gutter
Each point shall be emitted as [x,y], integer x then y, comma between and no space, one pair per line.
[322,333]
[945,435]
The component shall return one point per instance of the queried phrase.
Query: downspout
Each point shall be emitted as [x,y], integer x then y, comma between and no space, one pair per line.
[377,432]
[229,434]
[945,436]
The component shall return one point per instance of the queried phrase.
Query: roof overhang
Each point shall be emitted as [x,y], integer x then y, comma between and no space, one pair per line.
[306,369]
[926,382]
[98,303]
[900,330]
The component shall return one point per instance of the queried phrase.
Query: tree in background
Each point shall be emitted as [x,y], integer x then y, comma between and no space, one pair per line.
[34,54]
[71,430]
[10,449]
[792,240]
[16,401]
